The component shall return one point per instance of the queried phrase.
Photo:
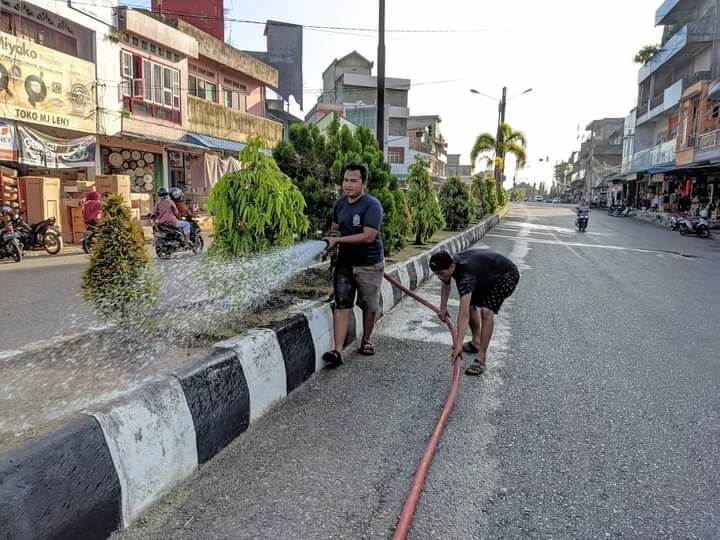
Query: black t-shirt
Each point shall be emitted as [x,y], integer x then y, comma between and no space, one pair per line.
[351,219]
[477,269]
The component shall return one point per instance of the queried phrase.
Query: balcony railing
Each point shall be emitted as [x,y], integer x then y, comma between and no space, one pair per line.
[709,140]
[208,118]
[660,154]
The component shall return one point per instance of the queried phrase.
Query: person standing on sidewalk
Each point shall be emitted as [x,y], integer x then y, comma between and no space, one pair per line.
[484,280]
[360,260]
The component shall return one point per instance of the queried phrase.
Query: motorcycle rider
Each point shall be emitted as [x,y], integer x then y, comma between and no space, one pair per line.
[5,216]
[178,197]
[582,206]
[92,209]
[166,213]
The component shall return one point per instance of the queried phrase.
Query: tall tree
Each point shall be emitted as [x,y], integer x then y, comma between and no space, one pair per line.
[315,160]
[456,204]
[513,142]
[427,218]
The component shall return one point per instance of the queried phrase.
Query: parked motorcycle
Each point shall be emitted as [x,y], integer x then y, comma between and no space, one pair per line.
[698,226]
[168,239]
[88,237]
[43,235]
[581,221]
[10,247]
[675,222]
[621,211]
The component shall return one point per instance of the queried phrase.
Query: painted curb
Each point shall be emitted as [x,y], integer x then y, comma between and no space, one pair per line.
[107,467]
[63,485]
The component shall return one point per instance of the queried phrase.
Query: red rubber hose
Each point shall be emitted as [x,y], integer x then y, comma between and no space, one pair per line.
[423,468]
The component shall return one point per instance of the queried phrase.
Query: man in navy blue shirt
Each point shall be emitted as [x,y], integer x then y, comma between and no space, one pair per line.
[360,262]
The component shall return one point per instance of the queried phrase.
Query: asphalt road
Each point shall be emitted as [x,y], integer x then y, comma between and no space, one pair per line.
[40,299]
[598,418]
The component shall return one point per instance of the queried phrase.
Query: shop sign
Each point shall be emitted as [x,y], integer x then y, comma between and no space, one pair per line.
[8,150]
[50,152]
[43,86]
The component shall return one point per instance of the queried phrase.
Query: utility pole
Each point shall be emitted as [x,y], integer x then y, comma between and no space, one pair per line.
[499,154]
[380,105]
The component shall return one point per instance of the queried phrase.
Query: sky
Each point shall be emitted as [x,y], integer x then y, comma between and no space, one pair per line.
[576,55]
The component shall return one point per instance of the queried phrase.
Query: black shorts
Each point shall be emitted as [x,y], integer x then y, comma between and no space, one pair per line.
[500,289]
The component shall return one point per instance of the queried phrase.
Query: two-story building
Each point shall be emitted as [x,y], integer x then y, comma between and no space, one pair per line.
[189,103]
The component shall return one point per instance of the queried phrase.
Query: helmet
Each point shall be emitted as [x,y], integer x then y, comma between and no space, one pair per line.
[162,193]
[176,194]
[5,210]
[92,196]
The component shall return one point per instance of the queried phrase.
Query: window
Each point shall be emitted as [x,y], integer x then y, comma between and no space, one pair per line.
[157,84]
[202,89]
[149,88]
[176,89]
[228,98]
[234,100]
[127,74]
[147,78]
[43,35]
[167,87]
[396,155]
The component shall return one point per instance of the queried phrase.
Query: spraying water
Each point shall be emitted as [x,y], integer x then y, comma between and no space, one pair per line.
[198,296]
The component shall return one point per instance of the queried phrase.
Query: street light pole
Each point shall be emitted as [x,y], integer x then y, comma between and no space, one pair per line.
[499,154]
[499,138]
[380,102]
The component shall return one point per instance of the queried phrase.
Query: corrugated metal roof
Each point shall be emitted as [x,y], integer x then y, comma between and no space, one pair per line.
[215,143]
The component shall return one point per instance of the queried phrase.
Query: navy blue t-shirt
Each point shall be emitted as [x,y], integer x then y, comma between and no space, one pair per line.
[351,218]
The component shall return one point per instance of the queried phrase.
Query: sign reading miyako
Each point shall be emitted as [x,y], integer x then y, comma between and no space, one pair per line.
[43,86]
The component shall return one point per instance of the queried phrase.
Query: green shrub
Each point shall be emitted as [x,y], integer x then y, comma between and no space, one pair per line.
[256,208]
[503,198]
[490,194]
[315,161]
[120,282]
[456,204]
[427,218]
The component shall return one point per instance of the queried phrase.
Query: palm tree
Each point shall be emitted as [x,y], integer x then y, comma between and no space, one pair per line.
[511,142]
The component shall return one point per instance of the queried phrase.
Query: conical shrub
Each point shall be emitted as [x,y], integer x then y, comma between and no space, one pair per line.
[120,282]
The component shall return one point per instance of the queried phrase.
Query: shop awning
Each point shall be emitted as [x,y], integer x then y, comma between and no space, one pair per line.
[181,144]
[215,143]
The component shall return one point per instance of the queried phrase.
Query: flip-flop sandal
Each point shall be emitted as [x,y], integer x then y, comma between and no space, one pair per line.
[367,348]
[476,369]
[332,358]
[469,347]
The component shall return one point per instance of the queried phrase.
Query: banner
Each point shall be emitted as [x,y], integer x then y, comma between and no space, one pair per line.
[43,86]
[52,153]
[8,149]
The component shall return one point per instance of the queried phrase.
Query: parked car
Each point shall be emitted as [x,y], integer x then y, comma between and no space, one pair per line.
[539,198]
[556,200]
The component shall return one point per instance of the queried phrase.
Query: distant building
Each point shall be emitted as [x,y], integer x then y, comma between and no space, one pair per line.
[348,81]
[427,140]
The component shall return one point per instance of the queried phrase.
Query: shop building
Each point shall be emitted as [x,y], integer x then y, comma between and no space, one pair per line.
[55,98]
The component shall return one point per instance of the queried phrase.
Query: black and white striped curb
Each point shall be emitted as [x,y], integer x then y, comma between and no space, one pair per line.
[107,466]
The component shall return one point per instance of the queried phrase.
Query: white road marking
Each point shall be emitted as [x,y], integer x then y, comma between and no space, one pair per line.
[575,244]
[553,228]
